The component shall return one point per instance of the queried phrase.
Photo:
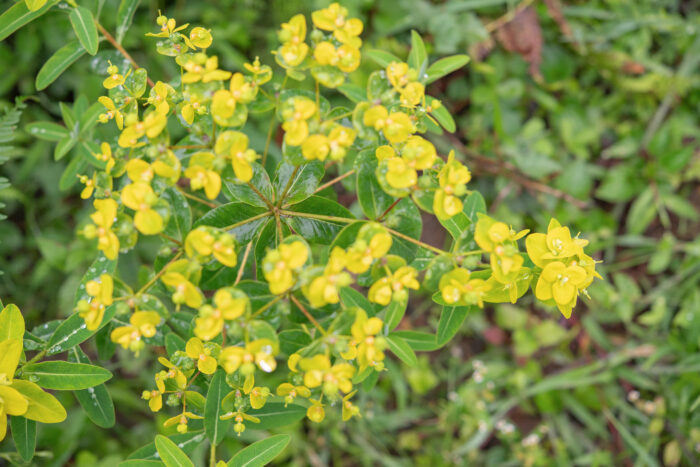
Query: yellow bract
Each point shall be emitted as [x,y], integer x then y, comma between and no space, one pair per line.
[140,197]
[323,289]
[203,242]
[318,371]
[197,350]
[184,290]
[281,265]
[298,111]
[292,35]
[373,242]
[396,126]
[229,304]
[235,145]
[204,69]
[202,174]
[103,219]
[393,286]
[100,291]
[366,345]
[453,179]
[141,324]
[457,288]
[334,18]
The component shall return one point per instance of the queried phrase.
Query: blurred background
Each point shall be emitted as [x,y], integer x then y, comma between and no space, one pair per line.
[582,110]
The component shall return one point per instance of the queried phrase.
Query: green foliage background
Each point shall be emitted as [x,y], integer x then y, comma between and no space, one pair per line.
[599,129]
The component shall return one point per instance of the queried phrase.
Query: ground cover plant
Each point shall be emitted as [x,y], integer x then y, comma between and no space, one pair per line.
[284,251]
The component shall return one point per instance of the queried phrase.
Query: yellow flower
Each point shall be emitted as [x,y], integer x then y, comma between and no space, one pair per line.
[397,126]
[258,397]
[412,94]
[181,421]
[151,126]
[238,417]
[224,101]
[141,324]
[235,144]
[103,219]
[339,140]
[173,373]
[112,112]
[399,174]
[204,69]
[261,73]
[398,74]
[205,241]
[281,265]
[290,392]
[334,18]
[349,409]
[366,345]
[556,244]
[345,57]
[198,351]
[318,371]
[500,240]
[315,147]
[295,114]
[100,292]
[561,283]
[12,402]
[106,156]
[229,304]
[159,97]
[458,289]
[324,289]
[140,197]
[185,291]
[139,170]
[89,183]
[393,287]
[372,242]
[114,79]
[201,174]
[292,35]
[258,353]
[167,27]
[453,179]
[316,412]
[168,166]
[200,37]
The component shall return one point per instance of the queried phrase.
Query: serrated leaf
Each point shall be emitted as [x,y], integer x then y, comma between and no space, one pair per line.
[401,349]
[260,453]
[214,427]
[445,66]
[58,63]
[48,131]
[125,15]
[65,376]
[84,27]
[170,454]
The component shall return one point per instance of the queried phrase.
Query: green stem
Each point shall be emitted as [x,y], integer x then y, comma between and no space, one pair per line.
[288,186]
[261,196]
[160,273]
[320,217]
[267,305]
[308,315]
[416,242]
[250,219]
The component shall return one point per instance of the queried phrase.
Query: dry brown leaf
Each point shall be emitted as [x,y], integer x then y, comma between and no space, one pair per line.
[523,36]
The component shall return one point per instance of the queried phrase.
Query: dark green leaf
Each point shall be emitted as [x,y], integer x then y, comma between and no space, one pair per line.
[418,340]
[405,218]
[260,453]
[243,193]
[188,442]
[125,15]
[96,401]
[234,216]
[73,331]
[394,313]
[24,436]
[318,230]
[58,63]
[353,92]
[275,415]
[214,427]
[170,454]
[380,57]
[451,320]
[373,200]
[350,297]
[445,66]
[180,221]
[306,180]
[65,375]
[401,349]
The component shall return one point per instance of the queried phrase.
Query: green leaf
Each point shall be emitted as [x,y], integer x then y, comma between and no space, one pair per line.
[318,230]
[72,331]
[461,225]
[401,349]
[173,343]
[180,221]
[260,453]
[306,180]
[11,323]
[445,66]
[373,200]
[24,436]
[235,213]
[418,55]
[292,340]
[350,297]
[214,427]
[243,193]
[137,82]
[48,131]
[275,415]
[442,115]
[418,340]
[58,63]
[140,463]
[18,15]
[65,375]
[353,92]
[394,313]
[170,454]
[69,177]
[451,320]
[84,27]
[405,218]
[381,57]
[43,407]
[91,116]
[188,442]
[63,147]
[96,402]
[125,15]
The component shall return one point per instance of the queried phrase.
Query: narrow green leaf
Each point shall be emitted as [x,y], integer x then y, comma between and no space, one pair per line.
[442,115]
[350,297]
[89,119]
[96,402]
[214,427]
[18,15]
[260,453]
[418,340]
[381,57]
[445,66]
[188,442]
[394,313]
[48,131]
[84,27]
[418,55]
[100,266]
[24,436]
[65,375]
[125,15]
[140,463]
[353,92]
[401,349]
[275,415]
[451,320]
[63,147]
[318,230]
[73,331]
[170,454]
[58,63]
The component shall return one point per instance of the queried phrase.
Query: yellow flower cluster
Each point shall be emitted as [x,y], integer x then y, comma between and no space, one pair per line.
[205,242]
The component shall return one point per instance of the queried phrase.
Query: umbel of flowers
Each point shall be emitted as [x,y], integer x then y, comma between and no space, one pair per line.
[329,289]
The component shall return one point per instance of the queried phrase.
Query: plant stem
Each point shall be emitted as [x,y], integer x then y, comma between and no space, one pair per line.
[250,219]
[334,181]
[190,146]
[267,305]
[288,186]
[308,315]
[195,198]
[169,238]
[320,217]
[388,210]
[416,242]
[241,269]
[121,49]
[160,273]
[212,455]
[269,137]
[261,196]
